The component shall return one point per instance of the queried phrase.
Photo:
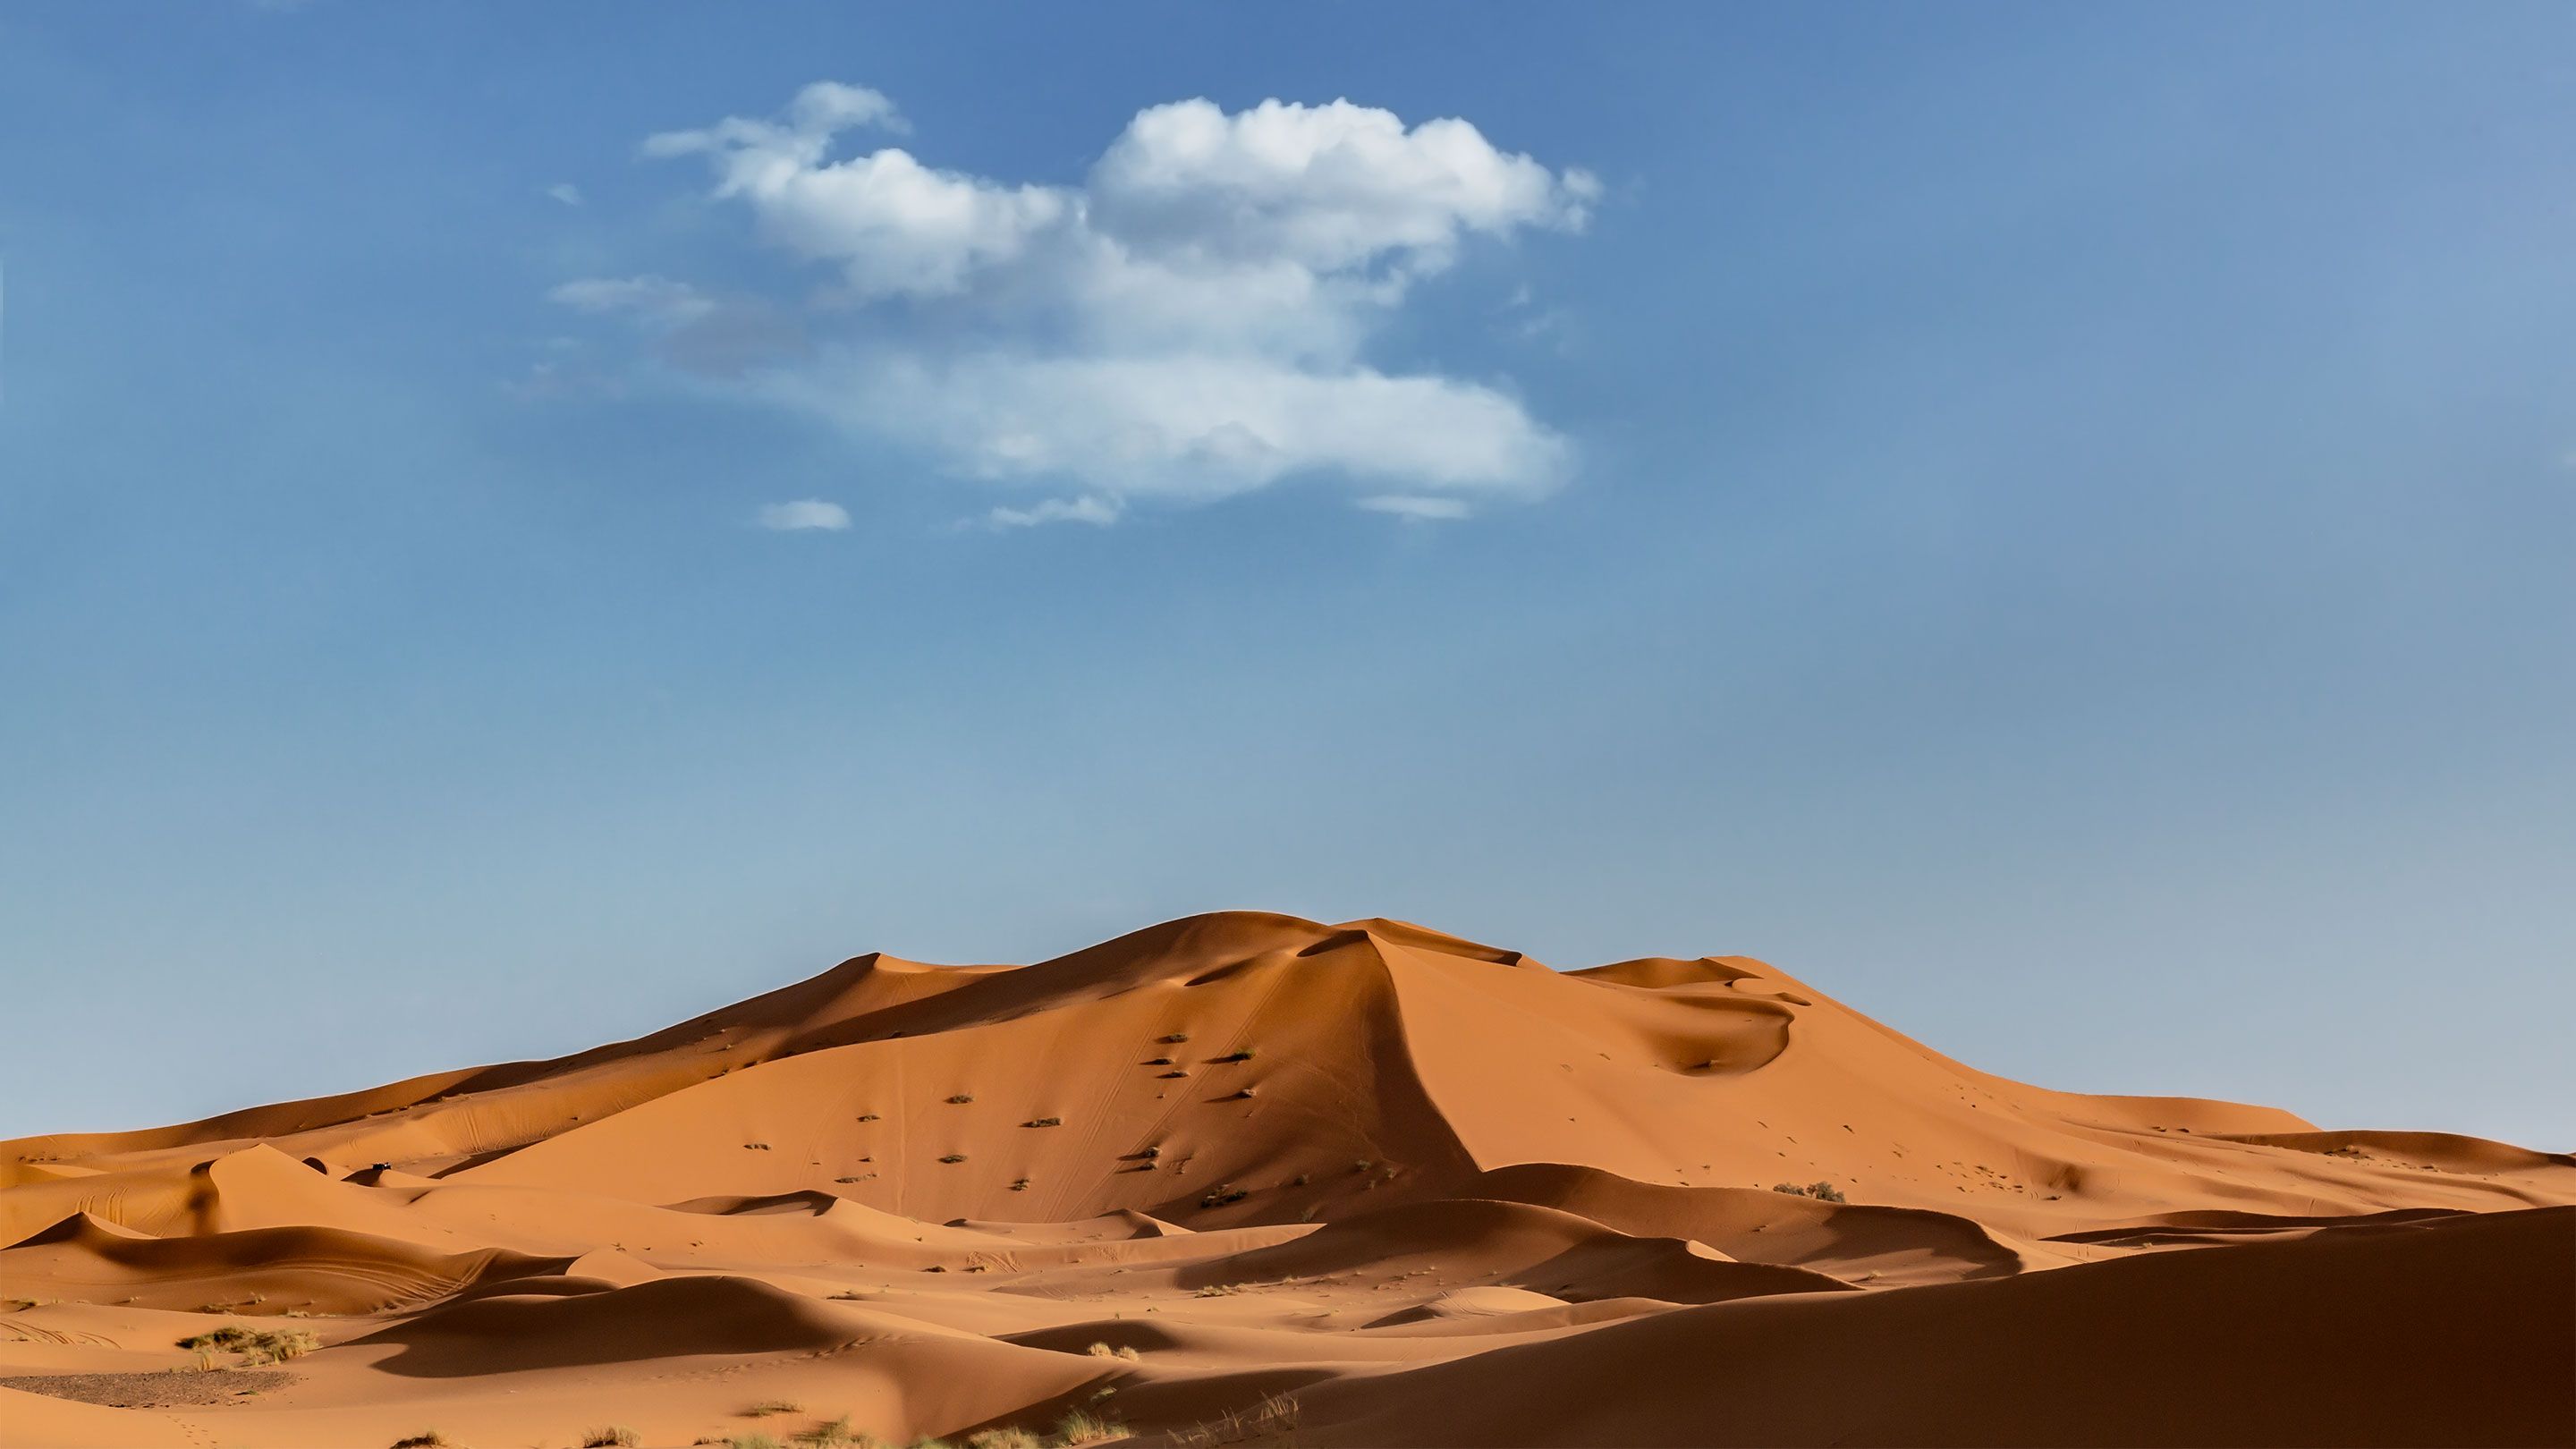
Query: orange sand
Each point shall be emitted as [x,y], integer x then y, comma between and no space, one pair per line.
[1395,1186]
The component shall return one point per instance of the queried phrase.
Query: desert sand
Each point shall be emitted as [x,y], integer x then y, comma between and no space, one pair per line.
[1247,1178]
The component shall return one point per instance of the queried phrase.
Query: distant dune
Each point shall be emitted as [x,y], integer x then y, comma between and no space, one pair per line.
[1246,1178]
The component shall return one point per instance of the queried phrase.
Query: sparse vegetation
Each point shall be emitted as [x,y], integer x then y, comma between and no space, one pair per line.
[1244,1055]
[425,1439]
[1248,1092]
[954,1157]
[839,1431]
[753,1441]
[615,1436]
[1175,1038]
[1276,1413]
[1224,1195]
[767,1407]
[1821,1191]
[1081,1428]
[1102,1350]
[1220,1290]
[1044,1122]
[1003,1439]
[961,1099]
[256,1345]
[755,1147]
[867,1116]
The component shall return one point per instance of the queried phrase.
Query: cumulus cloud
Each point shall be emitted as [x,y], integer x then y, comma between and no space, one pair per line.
[802,516]
[1191,320]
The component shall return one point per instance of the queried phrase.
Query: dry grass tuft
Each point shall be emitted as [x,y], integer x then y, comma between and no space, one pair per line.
[1275,1414]
[1081,1428]
[615,1436]
[425,1439]
[767,1407]
[255,1345]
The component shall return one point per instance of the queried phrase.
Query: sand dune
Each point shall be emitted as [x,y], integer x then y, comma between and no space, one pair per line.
[1238,1170]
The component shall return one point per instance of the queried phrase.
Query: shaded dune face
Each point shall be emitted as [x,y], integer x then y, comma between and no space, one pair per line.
[1407,1180]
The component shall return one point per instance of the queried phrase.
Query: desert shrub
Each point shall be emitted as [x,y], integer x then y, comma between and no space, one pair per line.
[1002,1439]
[839,1431]
[1224,1195]
[753,1441]
[1821,1191]
[1044,1122]
[615,1436]
[1175,1038]
[425,1439]
[954,1157]
[255,1345]
[961,1099]
[1244,1055]
[767,1407]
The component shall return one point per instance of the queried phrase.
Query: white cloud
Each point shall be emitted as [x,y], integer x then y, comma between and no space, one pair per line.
[1328,187]
[1189,321]
[565,192]
[1100,512]
[803,515]
[1416,508]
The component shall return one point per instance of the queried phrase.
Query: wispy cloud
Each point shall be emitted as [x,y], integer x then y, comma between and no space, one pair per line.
[1419,508]
[805,515]
[565,192]
[1191,321]
[1097,511]
[653,299]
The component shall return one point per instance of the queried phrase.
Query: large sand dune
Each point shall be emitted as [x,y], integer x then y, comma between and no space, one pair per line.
[1249,1178]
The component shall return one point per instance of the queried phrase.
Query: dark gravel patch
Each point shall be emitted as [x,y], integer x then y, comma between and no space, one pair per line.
[167,1390]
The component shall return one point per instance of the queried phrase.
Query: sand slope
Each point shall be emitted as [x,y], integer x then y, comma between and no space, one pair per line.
[1429,1191]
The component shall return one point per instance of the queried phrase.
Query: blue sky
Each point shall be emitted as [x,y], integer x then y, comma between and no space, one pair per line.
[2052,523]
